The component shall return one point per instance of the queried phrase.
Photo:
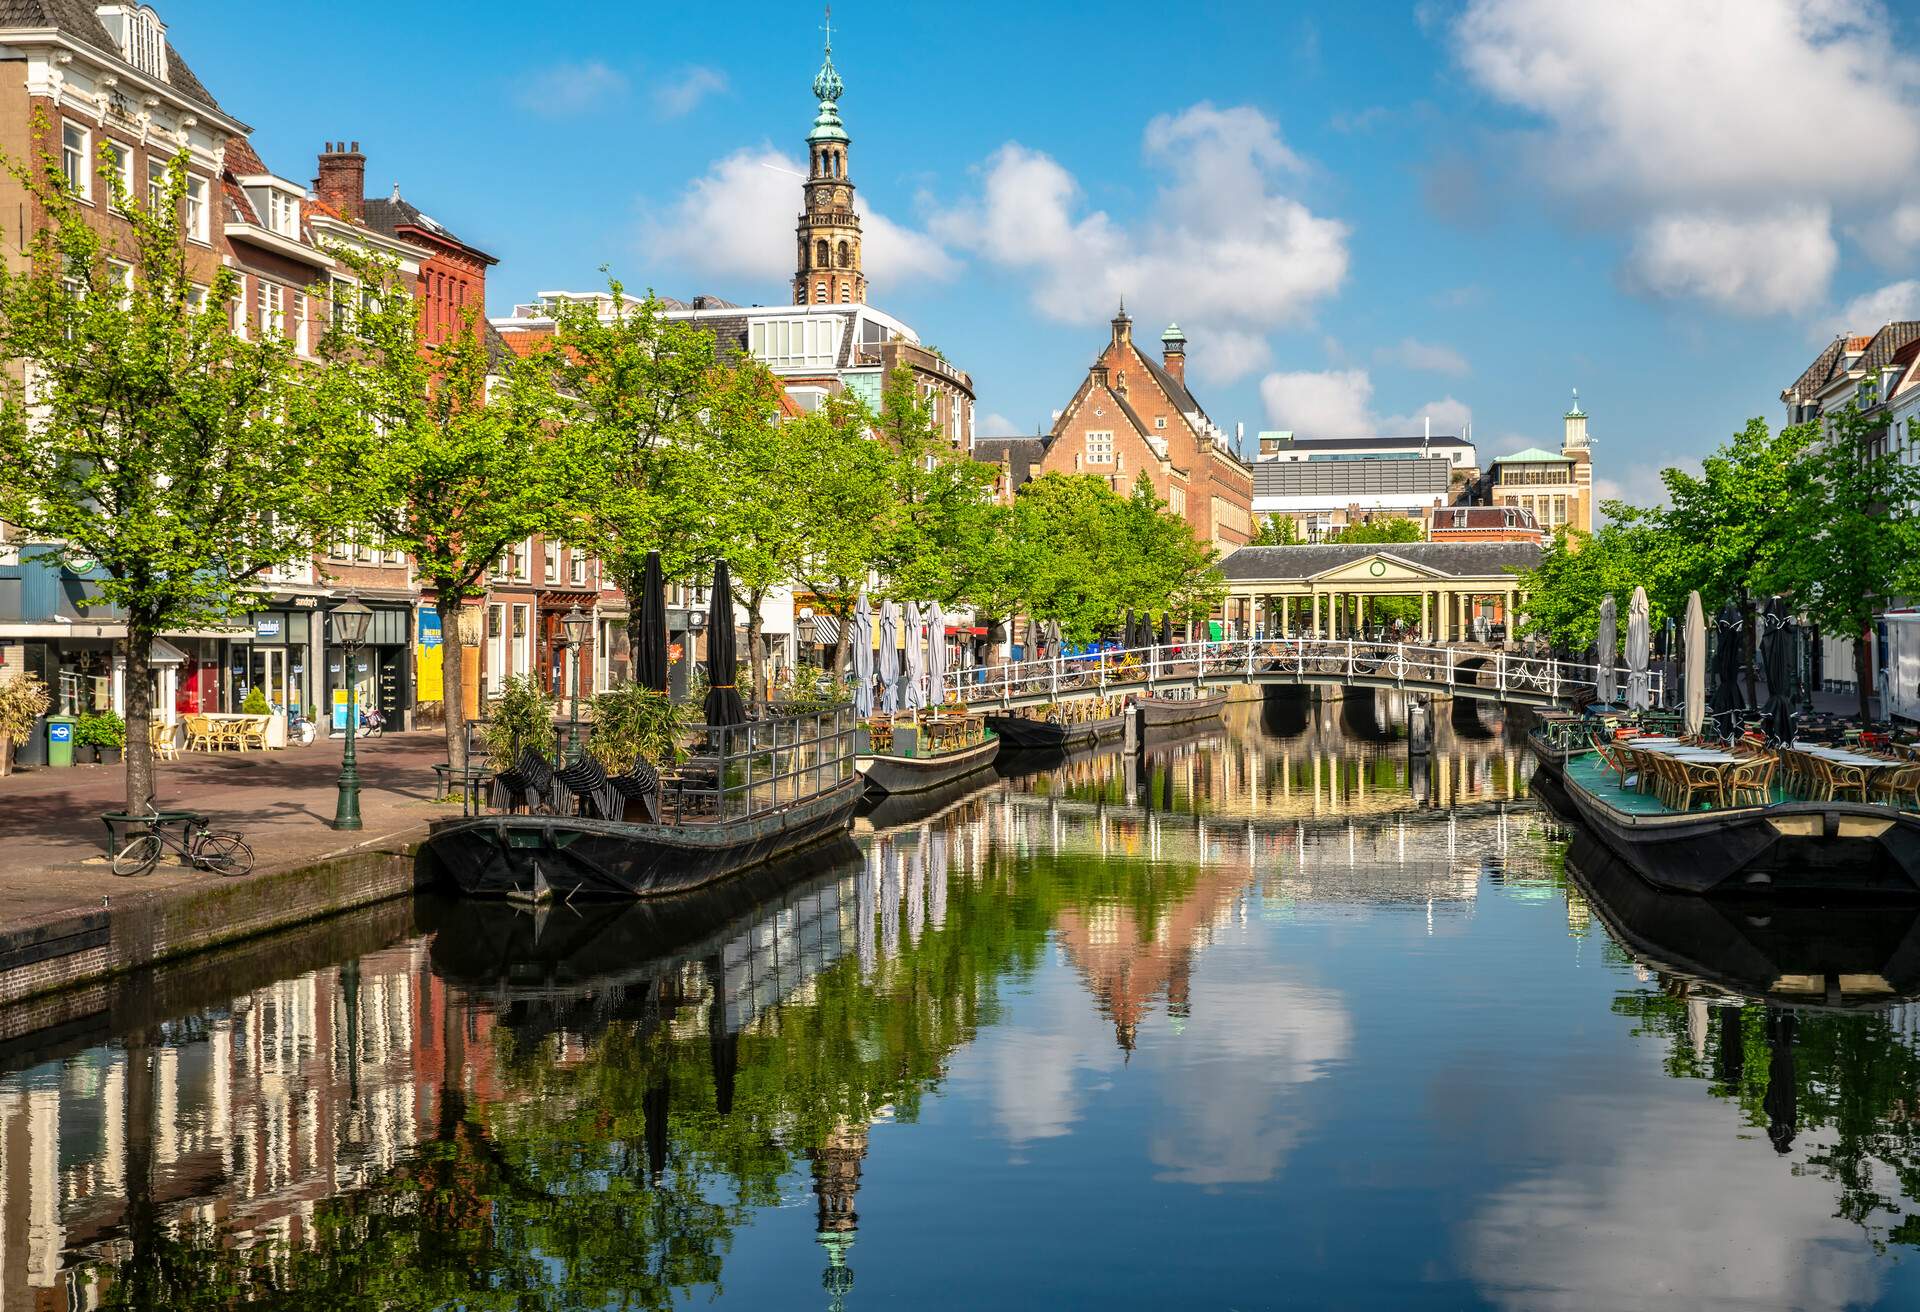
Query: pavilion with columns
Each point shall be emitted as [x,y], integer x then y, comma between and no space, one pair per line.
[1324,590]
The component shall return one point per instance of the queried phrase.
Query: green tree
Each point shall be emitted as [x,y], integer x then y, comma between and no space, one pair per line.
[1577,570]
[1276,531]
[1859,543]
[441,452]
[843,490]
[142,441]
[1399,528]
[941,503]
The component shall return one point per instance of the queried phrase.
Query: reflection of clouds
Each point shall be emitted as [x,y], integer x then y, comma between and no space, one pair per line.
[1232,1102]
[1664,1211]
[1034,1069]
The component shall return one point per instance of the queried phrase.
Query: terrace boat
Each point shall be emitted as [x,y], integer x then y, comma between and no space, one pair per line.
[1063,725]
[753,793]
[1555,736]
[1165,710]
[1860,953]
[927,753]
[1783,846]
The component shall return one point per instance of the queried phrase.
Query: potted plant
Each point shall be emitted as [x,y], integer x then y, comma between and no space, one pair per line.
[86,739]
[109,737]
[634,723]
[23,700]
[519,719]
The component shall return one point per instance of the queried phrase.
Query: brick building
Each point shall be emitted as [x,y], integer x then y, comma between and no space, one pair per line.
[1134,413]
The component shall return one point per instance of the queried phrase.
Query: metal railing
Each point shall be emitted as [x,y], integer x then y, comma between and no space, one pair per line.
[1471,671]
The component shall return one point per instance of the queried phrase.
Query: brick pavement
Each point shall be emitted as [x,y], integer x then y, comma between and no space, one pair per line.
[52,842]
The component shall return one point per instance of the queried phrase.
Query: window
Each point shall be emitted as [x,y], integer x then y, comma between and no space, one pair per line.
[577,567]
[156,184]
[1100,448]
[283,214]
[196,220]
[120,276]
[74,161]
[122,158]
[300,322]
[553,563]
[1159,421]
[1177,500]
[273,304]
[196,298]
[341,293]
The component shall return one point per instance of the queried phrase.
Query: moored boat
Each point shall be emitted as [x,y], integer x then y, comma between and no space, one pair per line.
[928,754]
[757,792]
[1554,737]
[1067,724]
[1784,846]
[1163,710]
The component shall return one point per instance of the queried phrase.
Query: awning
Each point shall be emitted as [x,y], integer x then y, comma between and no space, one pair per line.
[826,629]
[956,630]
[165,653]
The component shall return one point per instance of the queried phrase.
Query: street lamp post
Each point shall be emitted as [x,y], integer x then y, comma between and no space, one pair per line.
[575,623]
[350,619]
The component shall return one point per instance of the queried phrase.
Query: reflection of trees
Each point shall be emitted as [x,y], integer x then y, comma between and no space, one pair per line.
[1843,1087]
[612,1142]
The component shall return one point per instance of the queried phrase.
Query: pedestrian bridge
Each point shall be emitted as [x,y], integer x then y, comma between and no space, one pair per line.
[1456,669]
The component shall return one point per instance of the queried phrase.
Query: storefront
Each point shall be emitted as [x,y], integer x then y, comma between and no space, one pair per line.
[382,673]
[275,655]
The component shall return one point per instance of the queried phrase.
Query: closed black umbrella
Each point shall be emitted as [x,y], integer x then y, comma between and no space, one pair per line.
[1143,636]
[1126,633]
[1166,628]
[1776,662]
[1726,703]
[723,699]
[650,653]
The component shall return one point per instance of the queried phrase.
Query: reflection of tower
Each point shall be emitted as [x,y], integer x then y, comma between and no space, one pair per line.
[836,1180]
[1782,1101]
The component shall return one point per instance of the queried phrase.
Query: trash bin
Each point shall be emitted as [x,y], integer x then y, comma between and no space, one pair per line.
[60,740]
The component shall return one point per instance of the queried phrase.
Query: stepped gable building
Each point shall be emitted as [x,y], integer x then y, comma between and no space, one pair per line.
[1134,413]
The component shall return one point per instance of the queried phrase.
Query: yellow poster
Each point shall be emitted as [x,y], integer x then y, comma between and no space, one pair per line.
[426,659]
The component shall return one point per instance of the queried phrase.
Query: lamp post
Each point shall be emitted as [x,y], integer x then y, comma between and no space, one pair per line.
[575,623]
[350,619]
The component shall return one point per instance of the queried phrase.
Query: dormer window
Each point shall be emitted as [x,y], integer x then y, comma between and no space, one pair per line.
[283,214]
[140,34]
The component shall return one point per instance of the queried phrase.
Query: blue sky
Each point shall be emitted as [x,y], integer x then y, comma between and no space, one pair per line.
[1362,214]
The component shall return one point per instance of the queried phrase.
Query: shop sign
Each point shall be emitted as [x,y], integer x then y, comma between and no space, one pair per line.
[429,628]
[266,628]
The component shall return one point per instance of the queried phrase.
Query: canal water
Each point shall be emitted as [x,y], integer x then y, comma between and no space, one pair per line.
[1281,1015]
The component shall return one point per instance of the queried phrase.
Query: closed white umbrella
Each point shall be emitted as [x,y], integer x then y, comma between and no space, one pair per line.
[1639,650]
[1607,651]
[913,693]
[936,655]
[1696,656]
[889,658]
[863,656]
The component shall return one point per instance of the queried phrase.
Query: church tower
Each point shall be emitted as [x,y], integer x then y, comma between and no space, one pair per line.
[828,272]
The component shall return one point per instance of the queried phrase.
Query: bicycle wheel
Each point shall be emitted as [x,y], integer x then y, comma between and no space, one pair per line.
[140,855]
[224,854]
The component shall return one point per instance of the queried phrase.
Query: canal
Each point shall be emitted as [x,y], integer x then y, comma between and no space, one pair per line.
[1277,1015]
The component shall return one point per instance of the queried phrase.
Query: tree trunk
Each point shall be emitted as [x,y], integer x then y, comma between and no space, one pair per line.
[1750,641]
[139,752]
[1863,669]
[453,695]
[756,658]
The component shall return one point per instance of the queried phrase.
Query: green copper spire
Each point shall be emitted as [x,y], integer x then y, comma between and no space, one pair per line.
[828,88]
[1576,412]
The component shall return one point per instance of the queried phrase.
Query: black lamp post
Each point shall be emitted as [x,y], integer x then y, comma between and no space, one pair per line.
[350,620]
[576,623]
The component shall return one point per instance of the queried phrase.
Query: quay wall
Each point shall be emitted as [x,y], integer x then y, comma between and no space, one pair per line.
[59,952]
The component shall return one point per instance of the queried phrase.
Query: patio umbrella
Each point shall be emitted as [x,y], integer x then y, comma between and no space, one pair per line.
[1032,652]
[913,693]
[1639,644]
[1126,633]
[889,658]
[723,699]
[862,656]
[1143,636]
[1606,651]
[650,653]
[936,655]
[1166,628]
[1777,644]
[1696,656]
[1726,702]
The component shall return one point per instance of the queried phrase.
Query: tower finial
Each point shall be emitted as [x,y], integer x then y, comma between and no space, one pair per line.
[827,85]
[828,29]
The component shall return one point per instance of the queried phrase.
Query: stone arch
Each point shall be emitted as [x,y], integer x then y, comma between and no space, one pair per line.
[841,262]
[822,258]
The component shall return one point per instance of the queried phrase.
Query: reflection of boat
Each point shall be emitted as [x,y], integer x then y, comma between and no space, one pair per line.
[891,774]
[892,811]
[1031,732]
[1854,954]
[759,791]
[1793,847]
[1041,760]
[1165,711]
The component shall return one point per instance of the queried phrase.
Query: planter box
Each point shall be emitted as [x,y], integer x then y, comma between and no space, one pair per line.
[110,755]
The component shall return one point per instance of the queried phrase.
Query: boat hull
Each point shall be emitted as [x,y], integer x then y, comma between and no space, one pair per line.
[522,856]
[916,774]
[1019,732]
[1791,849]
[1168,712]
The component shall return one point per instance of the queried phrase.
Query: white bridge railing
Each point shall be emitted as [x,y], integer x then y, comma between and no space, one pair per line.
[1468,671]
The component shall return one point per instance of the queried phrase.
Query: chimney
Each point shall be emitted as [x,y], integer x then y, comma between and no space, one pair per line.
[1173,352]
[343,180]
[1122,325]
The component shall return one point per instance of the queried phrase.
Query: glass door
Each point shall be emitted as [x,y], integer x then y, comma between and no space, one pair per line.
[268,673]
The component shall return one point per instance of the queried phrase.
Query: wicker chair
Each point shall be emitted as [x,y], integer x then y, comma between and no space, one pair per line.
[1832,782]
[1897,788]
[160,738]
[1751,782]
[1690,779]
[200,734]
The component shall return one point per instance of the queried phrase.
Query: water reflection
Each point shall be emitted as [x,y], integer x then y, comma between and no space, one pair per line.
[1301,1007]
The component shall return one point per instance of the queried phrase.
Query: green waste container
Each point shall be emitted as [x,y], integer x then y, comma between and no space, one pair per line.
[60,740]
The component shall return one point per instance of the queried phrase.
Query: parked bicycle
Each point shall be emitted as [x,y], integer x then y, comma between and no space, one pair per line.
[188,837]
[372,722]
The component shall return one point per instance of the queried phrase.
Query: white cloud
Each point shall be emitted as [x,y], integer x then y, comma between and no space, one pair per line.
[1426,357]
[564,89]
[1339,403]
[1768,264]
[1890,236]
[680,95]
[1696,114]
[995,424]
[1222,249]
[727,224]
[1867,311]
